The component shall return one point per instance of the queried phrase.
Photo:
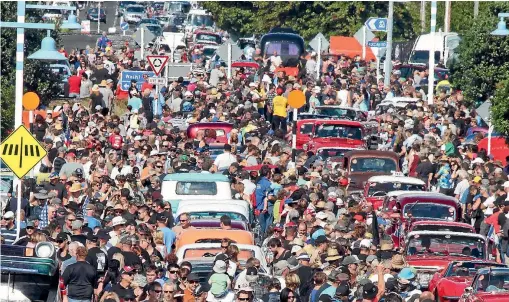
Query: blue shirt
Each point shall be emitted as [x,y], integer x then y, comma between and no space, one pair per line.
[168,238]
[262,188]
[92,222]
[135,103]
[444,177]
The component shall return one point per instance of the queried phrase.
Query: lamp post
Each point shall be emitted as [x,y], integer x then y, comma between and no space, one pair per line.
[20,26]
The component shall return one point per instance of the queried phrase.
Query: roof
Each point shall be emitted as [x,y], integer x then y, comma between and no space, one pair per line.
[339,107]
[349,46]
[193,177]
[372,153]
[206,32]
[399,99]
[332,121]
[428,195]
[227,206]
[399,179]
[445,233]
[401,192]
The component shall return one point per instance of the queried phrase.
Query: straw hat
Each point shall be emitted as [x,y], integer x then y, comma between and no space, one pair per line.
[398,262]
[332,254]
[95,87]
[386,246]
[103,83]
[76,187]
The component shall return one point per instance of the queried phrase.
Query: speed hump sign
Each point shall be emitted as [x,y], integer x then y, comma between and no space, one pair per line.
[296,99]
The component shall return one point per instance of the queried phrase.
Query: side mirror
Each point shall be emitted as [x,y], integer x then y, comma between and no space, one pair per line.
[469,289]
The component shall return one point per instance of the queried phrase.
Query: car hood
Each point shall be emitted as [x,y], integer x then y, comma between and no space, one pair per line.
[454,286]
[433,260]
[493,297]
[357,179]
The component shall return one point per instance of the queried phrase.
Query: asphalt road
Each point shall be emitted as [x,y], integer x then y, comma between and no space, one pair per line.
[80,41]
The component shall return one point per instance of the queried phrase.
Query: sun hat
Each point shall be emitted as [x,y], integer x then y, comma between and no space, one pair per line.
[350,260]
[293,263]
[95,87]
[398,262]
[118,221]
[219,267]
[406,275]
[76,187]
[332,255]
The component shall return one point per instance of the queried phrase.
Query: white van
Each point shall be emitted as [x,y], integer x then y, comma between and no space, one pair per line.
[191,186]
[445,45]
[198,18]
[170,43]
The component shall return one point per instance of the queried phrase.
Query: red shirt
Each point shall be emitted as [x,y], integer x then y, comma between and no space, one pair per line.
[115,141]
[146,85]
[74,84]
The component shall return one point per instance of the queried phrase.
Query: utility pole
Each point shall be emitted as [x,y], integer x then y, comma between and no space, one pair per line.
[423,16]
[476,8]
[447,19]
[431,76]
[388,52]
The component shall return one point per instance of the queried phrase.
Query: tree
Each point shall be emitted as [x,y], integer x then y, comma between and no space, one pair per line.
[36,75]
[500,107]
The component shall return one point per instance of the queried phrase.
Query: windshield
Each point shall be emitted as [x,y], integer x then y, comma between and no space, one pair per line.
[341,113]
[429,211]
[455,245]
[392,186]
[282,48]
[149,21]
[94,11]
[328,153]
[135,9]
[156,30]
[215,215]
[209,38]
[202,20]
[372,164]
[179,7]
[422,57]
[493,282]
[209,52]
[338,131]
[464,269]
[442,228]
[126,3]
[196,188]
[200,252]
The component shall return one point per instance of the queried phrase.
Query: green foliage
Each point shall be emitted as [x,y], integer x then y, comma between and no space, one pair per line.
[500,107]
[36,75]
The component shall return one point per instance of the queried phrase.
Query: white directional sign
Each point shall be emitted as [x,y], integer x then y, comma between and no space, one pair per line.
[157,63]
[376,24]
[157,81]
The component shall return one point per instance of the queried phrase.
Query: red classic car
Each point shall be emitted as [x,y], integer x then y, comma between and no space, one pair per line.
[360,165]
[450,283]
[249,67]
[313,134]
[221,130]
[377,187]
[489,285]
[407,207]
[430,252]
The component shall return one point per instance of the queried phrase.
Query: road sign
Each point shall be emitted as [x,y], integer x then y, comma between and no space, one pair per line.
[127,76]
[376,24]
[296,99]
[222,51]
[20,151]
[378,44]
[124,26]
[158,81]
[157,63]
[359,35]
[30,101]
[148,36]
[324,43]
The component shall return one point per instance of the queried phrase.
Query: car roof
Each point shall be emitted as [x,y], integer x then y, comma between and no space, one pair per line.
[494,271]
[195,177]
[428,195]
[397,179]
[333,121]
[227,206]
[400,192]
[339,107]
[372,153]
[445,233]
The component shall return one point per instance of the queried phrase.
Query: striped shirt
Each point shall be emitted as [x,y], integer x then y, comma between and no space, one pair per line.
[8,235]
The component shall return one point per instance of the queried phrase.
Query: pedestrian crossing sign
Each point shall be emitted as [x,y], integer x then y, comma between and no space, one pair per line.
[20,151]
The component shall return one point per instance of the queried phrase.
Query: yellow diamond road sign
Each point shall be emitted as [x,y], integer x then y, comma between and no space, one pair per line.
[20,151]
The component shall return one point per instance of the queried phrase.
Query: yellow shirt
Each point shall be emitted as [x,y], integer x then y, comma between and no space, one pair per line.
[280,104]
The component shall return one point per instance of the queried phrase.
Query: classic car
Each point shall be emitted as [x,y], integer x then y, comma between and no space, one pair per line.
[441,226]
[431,251]
[198,250]
[341,112]
[249,66]
[407,207]
[29,274]
[222,130]
[237,210]
[213,236]
[449,284]
[489,285]
[179,187]
[206,37]
[314,134]
[377,187]
[360,165]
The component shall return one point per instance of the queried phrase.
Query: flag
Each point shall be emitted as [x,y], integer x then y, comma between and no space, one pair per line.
[374,226]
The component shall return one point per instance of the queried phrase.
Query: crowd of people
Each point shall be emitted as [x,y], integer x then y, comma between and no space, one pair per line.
[97,194]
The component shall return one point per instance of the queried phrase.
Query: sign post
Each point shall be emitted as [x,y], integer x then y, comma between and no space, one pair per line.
[296,99]
[123,26]
[99,17]
[142,51]
[319,58]
[364,28]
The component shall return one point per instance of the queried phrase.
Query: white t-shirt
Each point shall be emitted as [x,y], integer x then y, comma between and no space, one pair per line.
[223,161]
[249,187]
[461,187]
[489,203]
[343,97]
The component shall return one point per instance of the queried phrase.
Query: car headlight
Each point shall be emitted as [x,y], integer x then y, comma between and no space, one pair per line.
[44,249]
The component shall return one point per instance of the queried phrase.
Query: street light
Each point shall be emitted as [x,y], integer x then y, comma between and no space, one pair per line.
[71,22]
[48,51]
[501,26]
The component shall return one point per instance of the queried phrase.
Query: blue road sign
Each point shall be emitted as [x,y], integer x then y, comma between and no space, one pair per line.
[124,26]
[127,76]
[377,44]
[376,24]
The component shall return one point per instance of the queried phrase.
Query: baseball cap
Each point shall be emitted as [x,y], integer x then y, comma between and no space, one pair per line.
[303,256]
[62,236]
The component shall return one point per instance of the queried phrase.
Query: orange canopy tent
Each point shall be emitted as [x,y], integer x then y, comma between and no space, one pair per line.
[349,46]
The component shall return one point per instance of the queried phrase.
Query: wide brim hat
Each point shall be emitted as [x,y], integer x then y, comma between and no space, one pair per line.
[76,187]
[118,221]
[332,255]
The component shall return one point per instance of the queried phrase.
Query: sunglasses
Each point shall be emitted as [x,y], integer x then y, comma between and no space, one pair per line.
[157,291]
[192,282]
[174,272]
[181,220]
[159,167]
[243,299]
[224,246]
[29,228]
[168,292]
[71,220]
